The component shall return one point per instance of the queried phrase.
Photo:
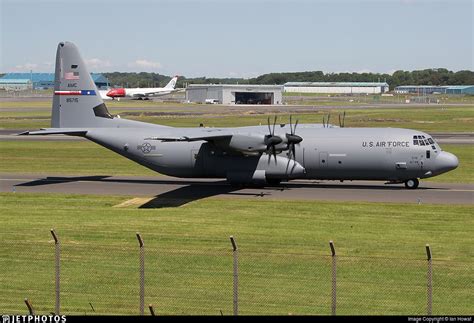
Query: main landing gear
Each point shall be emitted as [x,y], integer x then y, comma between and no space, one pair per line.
[412,184]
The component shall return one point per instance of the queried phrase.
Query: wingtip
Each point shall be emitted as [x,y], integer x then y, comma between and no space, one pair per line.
[24,133]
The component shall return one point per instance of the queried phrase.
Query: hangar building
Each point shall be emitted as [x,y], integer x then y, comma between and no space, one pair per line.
[234,93]
[46,80]
[435,89]
[337,87]
[15,85]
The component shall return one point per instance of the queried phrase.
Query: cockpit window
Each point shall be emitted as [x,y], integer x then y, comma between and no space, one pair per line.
[419,140]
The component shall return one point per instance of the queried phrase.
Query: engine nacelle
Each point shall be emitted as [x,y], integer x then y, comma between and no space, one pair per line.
[250,143]
[282,168]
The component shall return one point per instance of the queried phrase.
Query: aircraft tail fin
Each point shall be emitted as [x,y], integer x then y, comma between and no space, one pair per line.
[171,84]
[77,102]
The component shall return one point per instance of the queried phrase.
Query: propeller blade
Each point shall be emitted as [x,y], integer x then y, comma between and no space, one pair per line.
[269,129]
[274,123]
[296,124]
[291,126]
[344,119]
[340,124]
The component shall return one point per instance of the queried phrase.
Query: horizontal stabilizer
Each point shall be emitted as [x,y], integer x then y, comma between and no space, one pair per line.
[55,131]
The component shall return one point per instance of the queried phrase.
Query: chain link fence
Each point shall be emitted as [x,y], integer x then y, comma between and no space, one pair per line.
[70,276]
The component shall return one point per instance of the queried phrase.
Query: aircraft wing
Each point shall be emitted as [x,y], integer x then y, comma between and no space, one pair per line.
[245,143]
[200,137]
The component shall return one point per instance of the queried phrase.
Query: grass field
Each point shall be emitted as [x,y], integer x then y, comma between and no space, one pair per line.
[283,256]
[436,118]
[284,262]
[396,98]
[86,158]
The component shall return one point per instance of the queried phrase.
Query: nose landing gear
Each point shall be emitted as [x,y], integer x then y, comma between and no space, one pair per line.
[412,184]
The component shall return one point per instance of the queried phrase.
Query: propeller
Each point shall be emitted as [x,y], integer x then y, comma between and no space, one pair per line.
[271,140]
[326,122]
[293,139]
[342,121]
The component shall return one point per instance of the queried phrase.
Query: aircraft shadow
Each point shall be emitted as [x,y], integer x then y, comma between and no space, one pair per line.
[338,186]
[219,183]
[192,190]
[189,193]
[60,180]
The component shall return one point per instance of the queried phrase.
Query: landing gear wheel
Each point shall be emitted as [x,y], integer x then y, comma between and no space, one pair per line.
[412,184]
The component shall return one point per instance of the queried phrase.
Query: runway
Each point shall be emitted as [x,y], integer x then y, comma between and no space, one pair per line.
[172,191]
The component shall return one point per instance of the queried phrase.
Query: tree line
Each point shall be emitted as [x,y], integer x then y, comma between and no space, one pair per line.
[439,76]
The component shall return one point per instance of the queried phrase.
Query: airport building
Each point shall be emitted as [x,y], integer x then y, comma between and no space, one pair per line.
[433,89]
[46,80]
[234,94]
[337,87]
[15,84]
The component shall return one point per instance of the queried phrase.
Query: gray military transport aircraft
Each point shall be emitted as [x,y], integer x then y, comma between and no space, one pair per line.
[245,155]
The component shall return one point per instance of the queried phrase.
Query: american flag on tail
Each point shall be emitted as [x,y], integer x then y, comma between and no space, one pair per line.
[71,75]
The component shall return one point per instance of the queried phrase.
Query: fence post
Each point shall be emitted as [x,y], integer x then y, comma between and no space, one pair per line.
[152,310]
[333,254]
[142,274]
[430,281]
[236,275]
[30,307]
[57,261]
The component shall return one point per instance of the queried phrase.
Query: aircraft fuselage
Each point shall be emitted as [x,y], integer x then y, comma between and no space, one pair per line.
[325,153]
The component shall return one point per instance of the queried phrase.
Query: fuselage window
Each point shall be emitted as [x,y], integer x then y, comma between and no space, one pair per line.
[433,147]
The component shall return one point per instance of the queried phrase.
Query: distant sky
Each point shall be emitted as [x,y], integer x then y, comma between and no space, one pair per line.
[239,38]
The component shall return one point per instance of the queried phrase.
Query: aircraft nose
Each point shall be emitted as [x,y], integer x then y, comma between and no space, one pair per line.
[114,93]
[446,162]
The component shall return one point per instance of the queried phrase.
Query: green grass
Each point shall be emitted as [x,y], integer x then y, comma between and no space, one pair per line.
[284,265]
[86,158]
[76,157]
[396,98]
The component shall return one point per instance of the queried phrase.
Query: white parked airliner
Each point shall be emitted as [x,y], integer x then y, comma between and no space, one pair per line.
[139,93]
